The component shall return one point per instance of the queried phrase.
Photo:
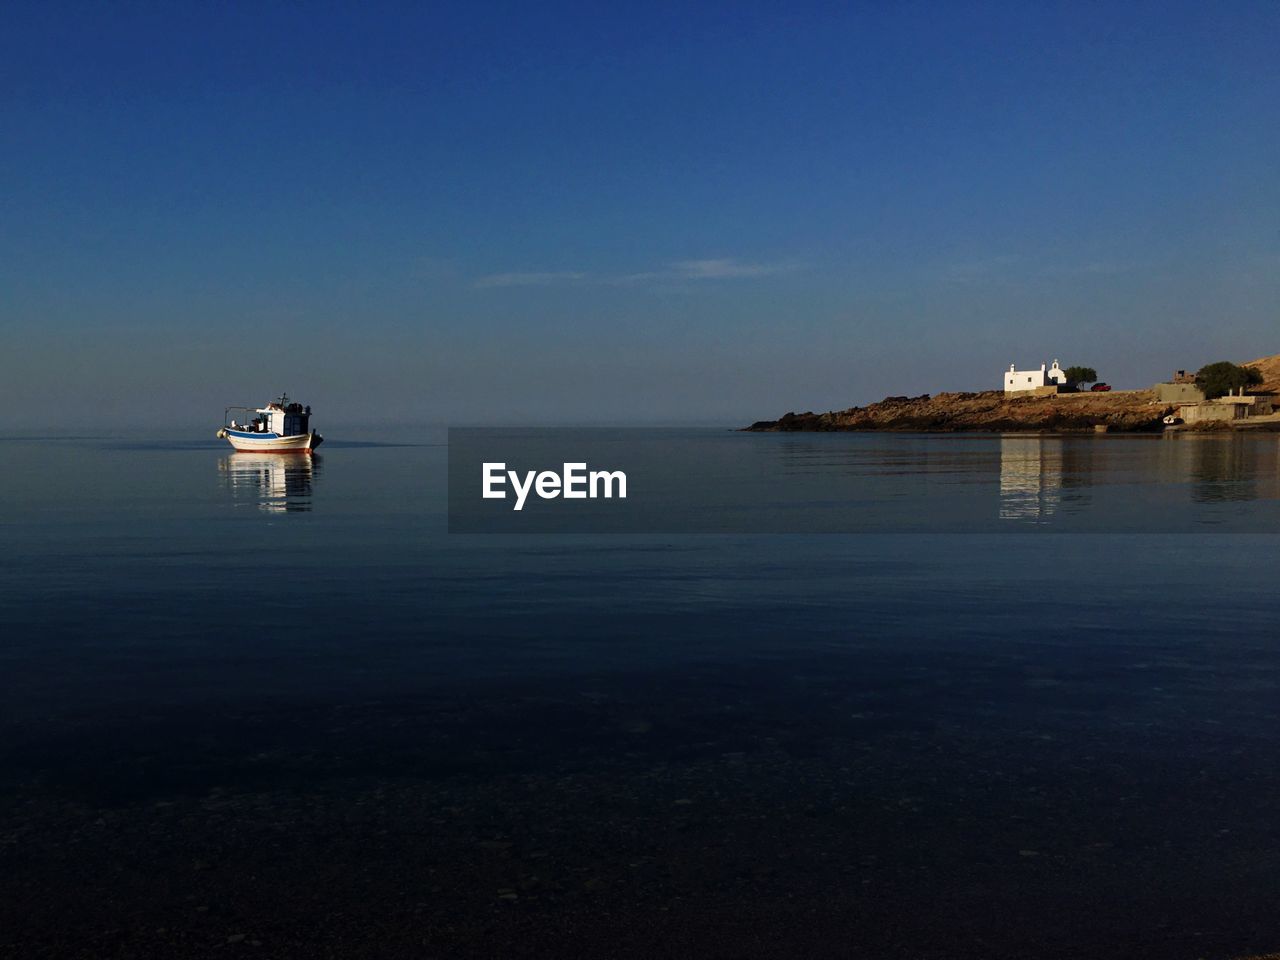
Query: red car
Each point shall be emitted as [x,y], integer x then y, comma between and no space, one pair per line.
[1100,387]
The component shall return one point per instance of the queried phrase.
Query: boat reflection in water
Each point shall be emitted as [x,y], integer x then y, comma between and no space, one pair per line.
[278,482]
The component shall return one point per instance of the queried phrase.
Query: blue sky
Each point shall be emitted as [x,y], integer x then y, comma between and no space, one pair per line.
[516,213]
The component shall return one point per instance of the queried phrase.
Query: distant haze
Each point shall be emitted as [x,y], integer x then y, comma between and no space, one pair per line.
[465,213]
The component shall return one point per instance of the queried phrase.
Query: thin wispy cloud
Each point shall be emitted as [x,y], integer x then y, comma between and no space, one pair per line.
[727,269]
[531,279]
[720,268]
[980,271]
[1008,268]
[1093,268]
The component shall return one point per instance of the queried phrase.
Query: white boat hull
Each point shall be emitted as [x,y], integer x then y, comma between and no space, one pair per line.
[245,441]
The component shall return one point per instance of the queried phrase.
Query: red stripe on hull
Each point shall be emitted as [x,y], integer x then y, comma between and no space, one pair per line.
[301,450]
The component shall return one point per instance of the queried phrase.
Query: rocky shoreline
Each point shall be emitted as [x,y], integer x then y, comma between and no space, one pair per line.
[994,411]
[1128,411]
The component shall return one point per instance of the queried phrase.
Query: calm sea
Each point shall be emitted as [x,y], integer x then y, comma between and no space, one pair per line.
[270,706]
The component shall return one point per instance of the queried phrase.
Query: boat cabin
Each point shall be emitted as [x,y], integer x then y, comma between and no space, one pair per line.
[282,418]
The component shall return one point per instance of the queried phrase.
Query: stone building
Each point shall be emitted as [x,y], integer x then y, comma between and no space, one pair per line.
[1234,407]
[1181,388]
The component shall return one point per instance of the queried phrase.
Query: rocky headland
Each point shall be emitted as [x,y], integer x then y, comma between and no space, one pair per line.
[990,410]
[1119,411]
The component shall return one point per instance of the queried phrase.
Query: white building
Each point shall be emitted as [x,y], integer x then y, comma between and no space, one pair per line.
[1016,380]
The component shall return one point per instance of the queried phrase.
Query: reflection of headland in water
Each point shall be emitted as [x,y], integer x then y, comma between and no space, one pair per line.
[277,482]
[1228,468]
[1044,477]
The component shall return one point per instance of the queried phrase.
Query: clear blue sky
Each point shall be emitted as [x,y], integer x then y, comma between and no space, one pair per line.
[536,212]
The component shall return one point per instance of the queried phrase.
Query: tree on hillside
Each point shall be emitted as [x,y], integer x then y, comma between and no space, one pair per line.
[1219,379]
[1082,374]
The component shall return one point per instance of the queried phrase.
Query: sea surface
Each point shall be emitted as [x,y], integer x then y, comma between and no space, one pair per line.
[270,706]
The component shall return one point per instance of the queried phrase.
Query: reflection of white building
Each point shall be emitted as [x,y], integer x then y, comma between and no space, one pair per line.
[1030,478]
[1016,380]
[280,483]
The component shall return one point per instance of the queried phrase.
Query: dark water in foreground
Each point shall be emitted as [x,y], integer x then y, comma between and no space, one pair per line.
[272,709]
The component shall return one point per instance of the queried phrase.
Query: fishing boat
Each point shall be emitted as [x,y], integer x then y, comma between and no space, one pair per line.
[282,426]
